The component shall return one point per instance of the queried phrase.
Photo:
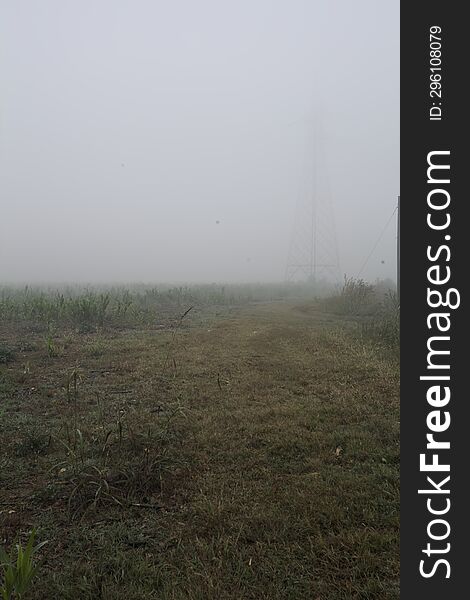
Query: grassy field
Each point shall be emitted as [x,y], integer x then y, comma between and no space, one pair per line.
[246,451]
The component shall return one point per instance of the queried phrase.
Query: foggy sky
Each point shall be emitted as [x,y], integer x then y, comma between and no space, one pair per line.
[151,140]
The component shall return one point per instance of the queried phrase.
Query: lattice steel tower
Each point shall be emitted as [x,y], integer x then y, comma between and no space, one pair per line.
[313,251]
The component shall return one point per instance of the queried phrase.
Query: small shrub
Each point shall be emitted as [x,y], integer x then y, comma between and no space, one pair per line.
[357,297]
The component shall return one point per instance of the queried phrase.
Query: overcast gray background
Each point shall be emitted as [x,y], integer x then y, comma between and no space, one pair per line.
[129,127]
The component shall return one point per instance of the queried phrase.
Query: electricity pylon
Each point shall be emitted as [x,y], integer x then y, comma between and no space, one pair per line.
[313,252]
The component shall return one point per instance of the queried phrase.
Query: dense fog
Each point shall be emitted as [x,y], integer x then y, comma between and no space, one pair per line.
[149,140]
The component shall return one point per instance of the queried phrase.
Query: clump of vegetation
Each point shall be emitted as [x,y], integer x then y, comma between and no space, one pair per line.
[356,297]
[34,441]
[119,462]
[376,307]
[384,327]
[95,348]
[6,354]
[121,465]
[18,569]
[50,345]
[76,308]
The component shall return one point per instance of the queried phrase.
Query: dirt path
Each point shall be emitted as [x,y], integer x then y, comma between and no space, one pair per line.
[295,437]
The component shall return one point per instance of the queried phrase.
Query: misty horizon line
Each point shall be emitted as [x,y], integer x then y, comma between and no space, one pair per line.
[149,283]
